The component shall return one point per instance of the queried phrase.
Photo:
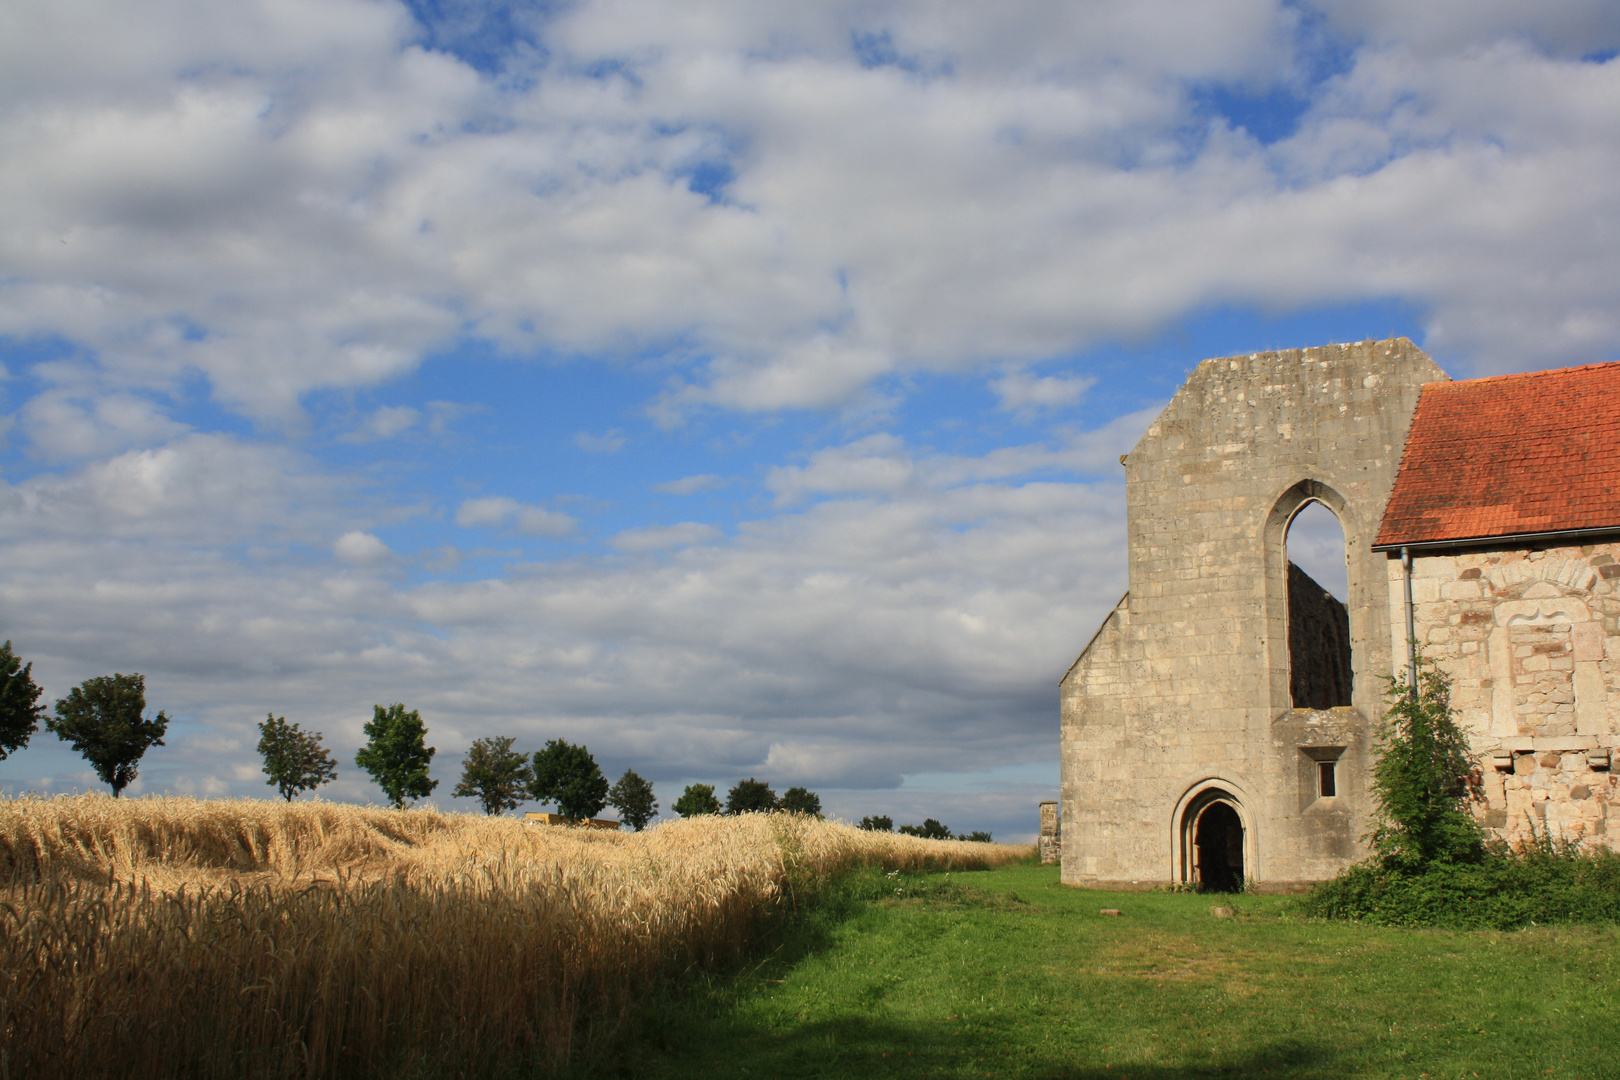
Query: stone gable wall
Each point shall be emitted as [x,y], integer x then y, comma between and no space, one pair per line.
[1184,694]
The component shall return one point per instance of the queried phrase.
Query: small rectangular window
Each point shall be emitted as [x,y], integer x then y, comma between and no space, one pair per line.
[1329,785]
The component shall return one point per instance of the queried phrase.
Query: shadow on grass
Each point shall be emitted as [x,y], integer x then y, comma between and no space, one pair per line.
[857,1046]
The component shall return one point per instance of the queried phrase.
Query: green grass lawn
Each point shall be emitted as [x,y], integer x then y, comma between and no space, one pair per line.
[1007,974]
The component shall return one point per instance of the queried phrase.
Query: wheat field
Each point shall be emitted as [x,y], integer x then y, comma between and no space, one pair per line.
[175,937]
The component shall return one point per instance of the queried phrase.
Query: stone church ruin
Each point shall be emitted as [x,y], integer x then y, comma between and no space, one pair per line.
[1219,726]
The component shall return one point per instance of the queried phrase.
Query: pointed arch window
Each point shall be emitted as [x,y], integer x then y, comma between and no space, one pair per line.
[1319,659]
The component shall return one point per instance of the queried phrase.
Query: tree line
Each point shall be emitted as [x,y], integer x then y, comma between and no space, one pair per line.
[103,719]
[397,756]
[928,830]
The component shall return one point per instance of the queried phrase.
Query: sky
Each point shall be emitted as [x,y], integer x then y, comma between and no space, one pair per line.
[734,387]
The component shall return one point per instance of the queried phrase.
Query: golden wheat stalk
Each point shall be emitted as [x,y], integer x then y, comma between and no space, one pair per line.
[174,937]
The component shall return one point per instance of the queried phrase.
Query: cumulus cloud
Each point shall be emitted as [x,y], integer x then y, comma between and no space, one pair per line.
[769,207]
[361,549]
[883,464]
[1574,28]
[1021,392]
[876,464]
[659,537]
[692,485]
[386,422]
[843,645]
[500,512]
[284,199]
[609,442]
[62,426]
[203,489]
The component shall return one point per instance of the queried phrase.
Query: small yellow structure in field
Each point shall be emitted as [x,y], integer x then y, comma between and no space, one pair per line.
[558,819]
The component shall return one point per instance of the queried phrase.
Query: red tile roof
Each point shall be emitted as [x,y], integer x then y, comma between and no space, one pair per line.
[1510,455]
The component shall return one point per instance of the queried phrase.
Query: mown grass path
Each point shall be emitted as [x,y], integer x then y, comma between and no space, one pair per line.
[1006,974]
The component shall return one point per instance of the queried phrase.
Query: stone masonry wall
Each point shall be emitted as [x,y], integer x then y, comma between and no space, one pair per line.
[1531,642]
[1183,695]
[1050,846]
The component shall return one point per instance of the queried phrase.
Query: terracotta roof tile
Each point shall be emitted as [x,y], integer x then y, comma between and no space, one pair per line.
[1508,455]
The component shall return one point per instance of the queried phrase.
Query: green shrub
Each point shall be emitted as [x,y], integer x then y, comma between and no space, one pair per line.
[1429,865]
[1544,882]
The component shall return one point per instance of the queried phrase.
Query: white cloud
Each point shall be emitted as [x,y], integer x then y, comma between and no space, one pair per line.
[844,645]
[609,442]
[361,549]
[692,485]
[877,464]
[281,196]
[62,426]
[200,489]
[659,537]
[1022,392]
[386,422]
[500,512]
[883,465]
[317,202]
[1573,27]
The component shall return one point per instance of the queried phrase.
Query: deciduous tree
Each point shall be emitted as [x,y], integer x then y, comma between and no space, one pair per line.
[929,830]
[396,753]
[102,719]
[881,823]
[569,776]
[20,710]
[294,759]
[798,800]
[633,798]
[750,796]
[696,800]
[495,774]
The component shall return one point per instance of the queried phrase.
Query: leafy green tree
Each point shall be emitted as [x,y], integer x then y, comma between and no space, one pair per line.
[881,823]
[633,798]
[1420,783]
[696,800]
[495,774]
[20,710]
[928,830]
[750,796]
[977,836]
[396,754]
[569,776]
[798,800]
[294,759]
[101,718]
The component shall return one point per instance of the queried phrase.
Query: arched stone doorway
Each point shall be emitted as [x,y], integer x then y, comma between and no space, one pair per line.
[1213,842]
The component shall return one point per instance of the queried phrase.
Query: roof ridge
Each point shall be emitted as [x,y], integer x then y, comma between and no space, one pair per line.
[1525,374]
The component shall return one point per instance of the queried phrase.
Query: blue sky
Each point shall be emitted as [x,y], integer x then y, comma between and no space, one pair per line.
[736,388]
